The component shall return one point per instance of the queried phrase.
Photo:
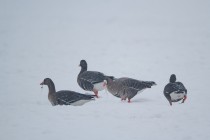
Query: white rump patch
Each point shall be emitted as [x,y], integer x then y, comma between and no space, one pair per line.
[99,86]
[176,96]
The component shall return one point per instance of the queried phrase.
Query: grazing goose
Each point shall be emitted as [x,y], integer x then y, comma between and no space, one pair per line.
[126,88]
[175,91]
[90,80]
[65,97]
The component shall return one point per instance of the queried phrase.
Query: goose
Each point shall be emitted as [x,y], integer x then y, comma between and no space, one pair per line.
[175,91]
[65,97]
[126,88]
[90,80]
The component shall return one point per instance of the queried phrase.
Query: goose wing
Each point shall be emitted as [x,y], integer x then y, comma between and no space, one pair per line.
[136,84]
[177,87]
[65,97]
[87,79]
[129,93]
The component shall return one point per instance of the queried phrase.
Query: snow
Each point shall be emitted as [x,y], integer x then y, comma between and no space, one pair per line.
[145,40]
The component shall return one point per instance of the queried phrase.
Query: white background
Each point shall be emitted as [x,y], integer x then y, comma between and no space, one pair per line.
[145,40]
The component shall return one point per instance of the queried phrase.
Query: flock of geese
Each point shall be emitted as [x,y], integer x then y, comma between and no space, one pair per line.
[124,88]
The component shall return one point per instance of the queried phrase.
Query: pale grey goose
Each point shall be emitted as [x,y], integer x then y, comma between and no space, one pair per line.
[126,88]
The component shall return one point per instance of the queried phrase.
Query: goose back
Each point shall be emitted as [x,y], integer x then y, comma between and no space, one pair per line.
[136,84]
[127,87]
[175,91]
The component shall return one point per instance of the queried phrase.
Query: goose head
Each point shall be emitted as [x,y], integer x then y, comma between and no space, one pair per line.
[46,81]
[173,78]
[83,64]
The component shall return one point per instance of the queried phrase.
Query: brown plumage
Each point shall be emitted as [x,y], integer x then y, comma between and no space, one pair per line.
[65,97]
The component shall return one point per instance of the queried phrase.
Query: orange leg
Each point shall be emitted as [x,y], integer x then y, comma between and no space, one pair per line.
[96,93]
[185,97]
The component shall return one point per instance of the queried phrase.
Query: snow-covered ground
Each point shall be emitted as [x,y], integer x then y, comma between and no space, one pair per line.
[145,40]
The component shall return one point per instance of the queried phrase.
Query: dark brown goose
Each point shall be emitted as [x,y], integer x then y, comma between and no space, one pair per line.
[90,80]
[65,97]
[126,88]
[175,91]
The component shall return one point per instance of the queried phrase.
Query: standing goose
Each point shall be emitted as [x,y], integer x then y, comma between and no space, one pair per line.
[175,91]
[90,80]
[65,97]
[126,88]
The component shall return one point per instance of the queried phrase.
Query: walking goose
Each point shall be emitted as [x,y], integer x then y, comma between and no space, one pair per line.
[65,97]
[175,91]
[90,80]
[126,88]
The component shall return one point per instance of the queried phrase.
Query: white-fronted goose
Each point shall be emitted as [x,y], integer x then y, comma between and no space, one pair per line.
[90,80]
[175,91]
[65,97]
[126,88]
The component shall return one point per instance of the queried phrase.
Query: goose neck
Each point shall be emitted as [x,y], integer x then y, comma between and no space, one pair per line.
[51,87]
[83,69]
